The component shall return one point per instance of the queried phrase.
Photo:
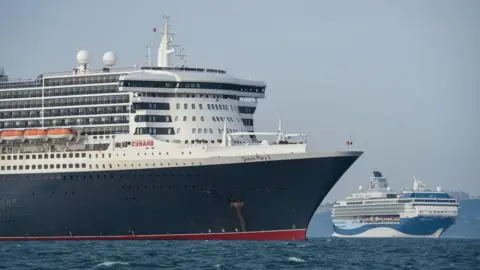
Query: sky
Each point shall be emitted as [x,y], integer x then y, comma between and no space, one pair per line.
[402,78]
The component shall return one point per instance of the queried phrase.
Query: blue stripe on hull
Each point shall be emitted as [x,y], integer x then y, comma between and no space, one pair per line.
[418,226]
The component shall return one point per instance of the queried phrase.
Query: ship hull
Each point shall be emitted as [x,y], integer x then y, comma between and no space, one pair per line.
[417,227]
[269,200]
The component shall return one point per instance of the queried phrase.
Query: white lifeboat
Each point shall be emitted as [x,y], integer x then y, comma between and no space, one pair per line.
[61,133]
[35,134]
[12,135]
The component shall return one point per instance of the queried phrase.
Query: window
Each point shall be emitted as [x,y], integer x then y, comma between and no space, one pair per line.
[193,130]
[200,106]
[185,106]
[201,118]
[151,106]
[193,106]
[194,118]
[156,131]
[178,106]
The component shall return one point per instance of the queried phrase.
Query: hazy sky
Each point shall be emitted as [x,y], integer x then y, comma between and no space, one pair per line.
[401,77]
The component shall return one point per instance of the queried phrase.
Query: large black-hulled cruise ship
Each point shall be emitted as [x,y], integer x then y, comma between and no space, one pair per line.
[165,152]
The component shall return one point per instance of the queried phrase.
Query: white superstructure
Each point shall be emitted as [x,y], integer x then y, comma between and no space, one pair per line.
[380,212]
[163,112]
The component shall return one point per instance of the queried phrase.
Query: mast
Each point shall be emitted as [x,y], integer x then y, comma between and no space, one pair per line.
[164,49]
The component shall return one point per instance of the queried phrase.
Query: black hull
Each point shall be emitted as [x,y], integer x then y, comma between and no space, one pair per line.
[228,198]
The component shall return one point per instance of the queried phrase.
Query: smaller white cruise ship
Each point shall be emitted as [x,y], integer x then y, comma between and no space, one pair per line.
[380,212]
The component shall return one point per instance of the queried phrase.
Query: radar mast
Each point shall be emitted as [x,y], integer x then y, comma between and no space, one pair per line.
[164,49]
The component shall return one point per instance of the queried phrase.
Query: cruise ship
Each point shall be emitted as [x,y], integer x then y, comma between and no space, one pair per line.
[164,152]
[379,212]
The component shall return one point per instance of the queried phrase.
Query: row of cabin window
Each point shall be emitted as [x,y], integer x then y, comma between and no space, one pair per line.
[44,166]
[153,118]
[51,156]
[61,102]
[197,85]
[154,131]
[80,121]
[211,141]
[214,118]
[185,95]
[71,91]
[96,79]
[65,112]
[209,130]
[209,106]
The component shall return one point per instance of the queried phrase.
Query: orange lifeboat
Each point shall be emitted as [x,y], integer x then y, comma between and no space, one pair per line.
[12,135]
[35,134]
[61,134]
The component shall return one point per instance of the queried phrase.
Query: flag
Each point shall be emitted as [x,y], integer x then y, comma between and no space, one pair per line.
[155,29]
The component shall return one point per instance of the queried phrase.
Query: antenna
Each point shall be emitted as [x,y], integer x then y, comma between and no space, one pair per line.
[147,56]
[181,56]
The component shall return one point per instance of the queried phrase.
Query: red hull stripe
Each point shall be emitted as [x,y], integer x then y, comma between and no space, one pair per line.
[283,235]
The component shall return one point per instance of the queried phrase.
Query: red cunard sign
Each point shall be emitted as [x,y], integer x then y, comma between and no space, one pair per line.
[142,143]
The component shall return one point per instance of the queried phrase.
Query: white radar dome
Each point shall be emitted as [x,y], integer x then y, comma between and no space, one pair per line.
[109,59]
[82,57]
[389,189]
[439,189]
[360,188]
[1,71]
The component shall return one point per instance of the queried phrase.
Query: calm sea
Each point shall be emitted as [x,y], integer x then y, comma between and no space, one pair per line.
[320,253]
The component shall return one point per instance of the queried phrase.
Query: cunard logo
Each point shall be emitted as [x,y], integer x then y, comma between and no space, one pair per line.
[142,143]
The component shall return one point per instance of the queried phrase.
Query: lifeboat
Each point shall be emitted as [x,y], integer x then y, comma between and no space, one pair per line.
[35,134]
[12,135]
[61,134]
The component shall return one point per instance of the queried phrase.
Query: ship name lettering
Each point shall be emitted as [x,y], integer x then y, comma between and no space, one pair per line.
[256,158]
[142,143]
